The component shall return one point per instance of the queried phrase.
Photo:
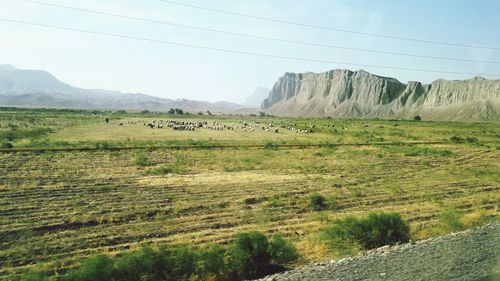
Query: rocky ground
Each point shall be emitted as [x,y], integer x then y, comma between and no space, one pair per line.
[468,255]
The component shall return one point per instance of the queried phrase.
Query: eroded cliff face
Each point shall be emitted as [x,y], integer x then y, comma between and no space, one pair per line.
[345,93]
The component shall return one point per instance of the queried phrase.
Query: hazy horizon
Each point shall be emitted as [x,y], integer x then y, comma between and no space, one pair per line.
[99,62]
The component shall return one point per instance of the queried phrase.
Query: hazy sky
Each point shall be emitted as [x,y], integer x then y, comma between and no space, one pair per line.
[95,61]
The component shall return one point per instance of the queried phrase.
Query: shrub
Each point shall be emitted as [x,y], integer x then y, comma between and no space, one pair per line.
[180,263]
[212,260]
[472,139]
[270,145]
[97,268]
[251,201]
[375,230]
[281,251]
[102,145]
[317,202]
[142,160]
[252,255]
[7,145]
[249,254]
[162,170]
[137,265]
[36,275]
[456,139]
[459,139]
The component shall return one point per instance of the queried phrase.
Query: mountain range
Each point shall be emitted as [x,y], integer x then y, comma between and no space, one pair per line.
[336,93]
[37,88]
[359,94]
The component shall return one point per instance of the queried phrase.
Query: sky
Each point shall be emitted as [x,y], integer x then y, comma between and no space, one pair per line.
[100,62]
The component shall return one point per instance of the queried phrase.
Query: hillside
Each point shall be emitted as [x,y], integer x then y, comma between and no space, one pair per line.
[37,88]
[359,94]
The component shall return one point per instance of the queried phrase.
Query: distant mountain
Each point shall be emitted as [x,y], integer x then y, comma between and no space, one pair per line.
[37,88]
[359,94]
[256,98]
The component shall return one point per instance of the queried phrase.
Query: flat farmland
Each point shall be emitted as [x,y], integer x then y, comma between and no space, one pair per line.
[59,206]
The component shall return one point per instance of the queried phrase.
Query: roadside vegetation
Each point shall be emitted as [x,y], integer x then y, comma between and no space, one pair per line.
[251,255]
[350,234]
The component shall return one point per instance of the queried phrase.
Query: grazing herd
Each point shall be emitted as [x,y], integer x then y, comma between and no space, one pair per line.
[243,126]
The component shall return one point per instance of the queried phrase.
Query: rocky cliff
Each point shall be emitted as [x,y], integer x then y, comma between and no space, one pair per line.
[355,94]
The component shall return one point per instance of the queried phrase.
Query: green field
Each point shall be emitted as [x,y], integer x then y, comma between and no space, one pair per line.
[73,186]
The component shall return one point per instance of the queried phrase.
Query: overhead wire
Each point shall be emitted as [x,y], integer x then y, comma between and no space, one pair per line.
[241,52]
[308,25]
[156,21]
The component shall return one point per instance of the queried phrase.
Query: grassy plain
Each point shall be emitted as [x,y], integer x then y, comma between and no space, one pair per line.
[60,206]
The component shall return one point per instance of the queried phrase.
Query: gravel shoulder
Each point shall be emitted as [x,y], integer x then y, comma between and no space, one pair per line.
[469,255]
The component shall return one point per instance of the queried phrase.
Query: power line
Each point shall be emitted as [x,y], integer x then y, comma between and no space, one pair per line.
[123,36]
[255,36]
[329,28]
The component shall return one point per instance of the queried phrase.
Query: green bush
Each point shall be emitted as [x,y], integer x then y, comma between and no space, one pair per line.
[472,139]
[281,251]
[36,275]
[141,265]
[252,255]
[162,170]
[375,230]
[270,145]
[99,268]
[142,160]
[212,261]
[7,145]
[317,202]
[459,139]
[102,145]
[249,254]
[136,265]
